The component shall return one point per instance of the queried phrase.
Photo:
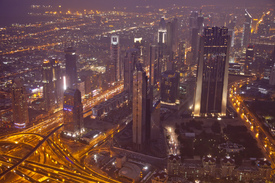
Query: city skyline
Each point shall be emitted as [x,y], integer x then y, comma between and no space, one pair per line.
[151,91]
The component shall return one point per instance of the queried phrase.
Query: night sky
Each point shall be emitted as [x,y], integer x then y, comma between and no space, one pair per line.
[16,10]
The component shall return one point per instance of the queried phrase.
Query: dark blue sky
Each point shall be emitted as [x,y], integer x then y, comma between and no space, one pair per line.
[12,10]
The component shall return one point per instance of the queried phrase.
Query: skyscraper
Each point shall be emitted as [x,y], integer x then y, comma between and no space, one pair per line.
[130,60]
[172,38]
[71,69]
[114,66]
[19,104]
[139,107]
[195,28]
[57,80]
[162,44]
[249,59]
[246,29]
[193,20]
[212,72]
[162,31]
[47,80]
[182,46]
[73,113]
[169,87]
[231,31]
[153,65]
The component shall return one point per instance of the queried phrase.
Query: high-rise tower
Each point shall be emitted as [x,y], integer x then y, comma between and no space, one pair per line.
[73,113]
[212,72]
[19,104]
[57,80]
[47,80]
[130,60]
[246,29]
[71,69]
[249,59]
[139,107]
[114,66]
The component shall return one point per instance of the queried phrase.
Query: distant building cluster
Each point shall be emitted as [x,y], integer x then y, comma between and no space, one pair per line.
[226,169]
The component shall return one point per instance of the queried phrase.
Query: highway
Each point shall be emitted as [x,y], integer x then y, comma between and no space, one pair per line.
[52,157]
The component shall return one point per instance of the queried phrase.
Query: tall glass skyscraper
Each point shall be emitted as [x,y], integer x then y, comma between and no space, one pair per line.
[246,29]
[73,113]
[19,104]
[212,73]
[114,66]
[71,70]
[139,107]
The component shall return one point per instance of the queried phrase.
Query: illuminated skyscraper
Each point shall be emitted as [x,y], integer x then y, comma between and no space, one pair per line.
[249,59]
[73,113]
[246,29]
[212,72]
[169,87]
[114,66]
[57,80]
[47,80]
[139,107]
[182,46]
[231,31]
[19,104]
[153,64]
[71,69]
[162,31]
[196,27]
[130,59]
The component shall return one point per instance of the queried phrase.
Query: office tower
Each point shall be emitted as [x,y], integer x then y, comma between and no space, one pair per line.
[200,21]
[47,80]
[113,67]
[194,44]
[73,113]
[169,87]
[193,20]
[87,84]
[162,41]
[71,69]
[182,46]
[169,43]
[139,107]
[162,31]
[212,72]
[246,29]
[172,37]
[140,45]
[249,59]
[130,60]
[175,29]
[153,65]
[272,76]
[57,80]
[19,104]
[231,31]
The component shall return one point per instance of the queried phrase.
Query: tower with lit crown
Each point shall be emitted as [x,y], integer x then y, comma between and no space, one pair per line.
[114,66]
[212,72]
[246,29]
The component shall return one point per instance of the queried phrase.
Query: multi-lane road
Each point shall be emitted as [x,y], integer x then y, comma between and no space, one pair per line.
[52,159]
